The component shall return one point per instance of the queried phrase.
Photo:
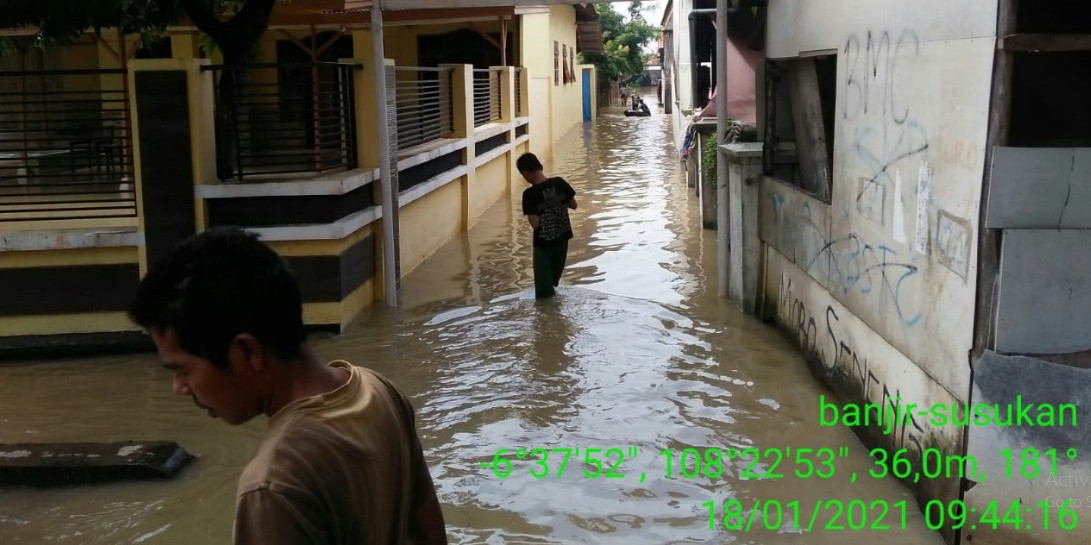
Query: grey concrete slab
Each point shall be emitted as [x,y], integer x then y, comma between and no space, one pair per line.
[1044,302]
[1040,188]
[54,464]
[1012,397]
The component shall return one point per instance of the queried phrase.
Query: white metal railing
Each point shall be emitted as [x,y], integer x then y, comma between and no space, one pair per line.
[423,102]
[486,96]
[519,91]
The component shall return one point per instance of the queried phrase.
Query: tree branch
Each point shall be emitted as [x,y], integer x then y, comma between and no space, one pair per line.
[252,20]
[204,19]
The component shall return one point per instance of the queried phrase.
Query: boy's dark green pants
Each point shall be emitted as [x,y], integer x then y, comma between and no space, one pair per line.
[549,261]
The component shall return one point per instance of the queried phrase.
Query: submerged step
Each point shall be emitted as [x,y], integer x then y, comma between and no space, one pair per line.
[58,464]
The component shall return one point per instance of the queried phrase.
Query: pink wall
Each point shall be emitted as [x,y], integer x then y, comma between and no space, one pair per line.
[741,86]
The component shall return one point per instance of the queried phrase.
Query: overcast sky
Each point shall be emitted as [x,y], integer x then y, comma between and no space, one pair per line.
[653,16]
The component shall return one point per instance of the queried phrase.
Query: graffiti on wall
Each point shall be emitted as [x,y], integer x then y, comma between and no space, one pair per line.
[953,242]
[825,341]
[886,134]
[851,264]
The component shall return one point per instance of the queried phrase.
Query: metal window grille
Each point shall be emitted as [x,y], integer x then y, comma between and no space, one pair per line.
[519,92]
[424,106]
[486,87]
[65,146]
[287,118]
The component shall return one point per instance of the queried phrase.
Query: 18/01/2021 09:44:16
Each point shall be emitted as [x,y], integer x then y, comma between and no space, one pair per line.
[839,515]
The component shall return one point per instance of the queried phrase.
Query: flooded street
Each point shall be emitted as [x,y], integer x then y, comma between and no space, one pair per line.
[635,353]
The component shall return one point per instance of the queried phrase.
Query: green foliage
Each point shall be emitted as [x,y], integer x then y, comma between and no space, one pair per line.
[62,21]
[232,25]
[622,58]
[708,160]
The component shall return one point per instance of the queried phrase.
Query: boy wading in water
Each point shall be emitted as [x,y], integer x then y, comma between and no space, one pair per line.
[545,204]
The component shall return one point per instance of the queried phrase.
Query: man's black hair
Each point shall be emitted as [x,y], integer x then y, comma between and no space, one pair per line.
[528,162]
[216,285]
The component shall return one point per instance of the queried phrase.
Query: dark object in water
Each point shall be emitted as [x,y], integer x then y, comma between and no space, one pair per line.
[57,464]
[637,113]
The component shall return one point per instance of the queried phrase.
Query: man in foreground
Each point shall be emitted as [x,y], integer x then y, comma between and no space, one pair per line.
[545,204]
[341,462]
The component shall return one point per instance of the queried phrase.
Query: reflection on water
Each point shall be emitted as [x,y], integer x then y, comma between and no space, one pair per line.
[635,352]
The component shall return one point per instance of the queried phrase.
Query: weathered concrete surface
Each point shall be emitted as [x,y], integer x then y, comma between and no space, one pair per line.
[1042,304]
[56,464]
[67,239]
[896,244]
[744,163]
[797,225]
[1001,381]
[863,368]
[1040,188]
[793,30]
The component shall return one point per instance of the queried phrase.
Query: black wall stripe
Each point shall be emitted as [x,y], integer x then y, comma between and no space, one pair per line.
[319,277]
[166,173]
[490,143]
[357,265]
[294,210]
[425,171]
[325,279]
[68,290]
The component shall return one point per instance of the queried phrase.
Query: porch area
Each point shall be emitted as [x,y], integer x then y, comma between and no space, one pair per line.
[102,170]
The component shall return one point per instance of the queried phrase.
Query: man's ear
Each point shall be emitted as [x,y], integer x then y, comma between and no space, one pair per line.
[247,351]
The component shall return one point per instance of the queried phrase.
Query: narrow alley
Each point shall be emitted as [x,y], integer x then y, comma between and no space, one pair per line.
[636,353]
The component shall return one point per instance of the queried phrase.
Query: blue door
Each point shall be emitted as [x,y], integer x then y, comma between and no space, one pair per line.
[586,94]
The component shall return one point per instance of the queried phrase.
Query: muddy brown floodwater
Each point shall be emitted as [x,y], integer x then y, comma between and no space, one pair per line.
[635,353]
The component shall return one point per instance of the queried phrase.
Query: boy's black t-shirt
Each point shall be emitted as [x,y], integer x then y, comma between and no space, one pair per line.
[549,201]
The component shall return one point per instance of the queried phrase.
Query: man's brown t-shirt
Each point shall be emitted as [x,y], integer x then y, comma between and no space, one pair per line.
[343,468]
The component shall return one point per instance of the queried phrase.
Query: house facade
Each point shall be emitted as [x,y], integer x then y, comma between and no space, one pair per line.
[114,150]
[913,219]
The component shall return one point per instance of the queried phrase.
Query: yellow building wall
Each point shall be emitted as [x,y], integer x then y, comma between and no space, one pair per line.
[537,55]
[70,257]
[401,41]
[428,222]
[106,53]
[82,54]
[400,44]
[83,322]
[349,307]
[491,182]
[567,97]
[555,106]
[537,58]
[63,324]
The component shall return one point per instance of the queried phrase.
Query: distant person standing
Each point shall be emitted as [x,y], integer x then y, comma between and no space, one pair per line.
[545,204]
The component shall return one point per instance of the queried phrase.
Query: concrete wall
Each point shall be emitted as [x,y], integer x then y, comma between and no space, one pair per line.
[567,98]
[429,222]
[343,311]
[893,254]
[1041,199]
[37,269]
[1040,202]
[1061,480]
[800,27]
[682,85]
[565,107]
[492,181]
[537,58]
[340,256]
